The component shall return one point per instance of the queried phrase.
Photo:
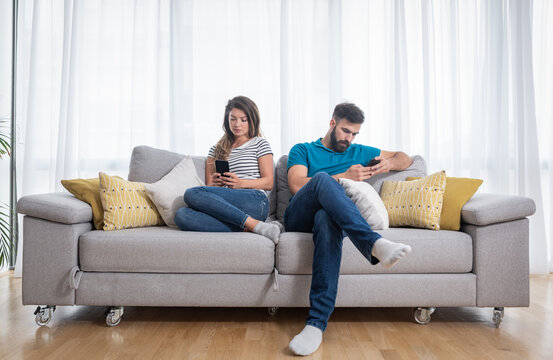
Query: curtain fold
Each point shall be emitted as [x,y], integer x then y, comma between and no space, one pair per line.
[466,84]
[524,113]
[542,52]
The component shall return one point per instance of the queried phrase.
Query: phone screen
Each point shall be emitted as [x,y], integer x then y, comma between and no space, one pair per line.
[221,166]
[373,162]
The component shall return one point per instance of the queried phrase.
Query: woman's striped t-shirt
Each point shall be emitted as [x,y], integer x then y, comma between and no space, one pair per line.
[243,159]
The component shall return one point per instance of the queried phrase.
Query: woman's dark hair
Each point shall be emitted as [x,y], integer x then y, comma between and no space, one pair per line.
[224,145]
[348,111]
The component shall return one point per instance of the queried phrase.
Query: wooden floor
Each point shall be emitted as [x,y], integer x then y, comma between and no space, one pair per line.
[250,333]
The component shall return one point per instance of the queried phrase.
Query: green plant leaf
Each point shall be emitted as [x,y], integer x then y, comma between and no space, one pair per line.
[5,234]
[5,139]
[5,226]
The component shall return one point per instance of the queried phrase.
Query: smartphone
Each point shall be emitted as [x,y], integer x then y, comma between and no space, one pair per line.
[373,162]
[221,166]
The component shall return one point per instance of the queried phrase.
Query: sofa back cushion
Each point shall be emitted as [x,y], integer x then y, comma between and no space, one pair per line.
[283,192]
[149,165]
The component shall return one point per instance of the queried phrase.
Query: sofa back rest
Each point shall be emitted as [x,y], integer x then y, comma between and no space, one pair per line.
[150,165]
[417,169]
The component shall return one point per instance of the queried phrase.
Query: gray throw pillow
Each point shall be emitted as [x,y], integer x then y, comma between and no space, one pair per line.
[167,193]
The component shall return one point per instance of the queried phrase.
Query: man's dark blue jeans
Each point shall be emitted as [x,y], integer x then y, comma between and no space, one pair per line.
[321,206]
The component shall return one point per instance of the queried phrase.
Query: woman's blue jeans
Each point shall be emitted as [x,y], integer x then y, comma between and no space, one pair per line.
[218,209]
[321,206]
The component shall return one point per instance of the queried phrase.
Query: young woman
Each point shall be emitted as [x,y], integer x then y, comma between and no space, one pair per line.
[235,200]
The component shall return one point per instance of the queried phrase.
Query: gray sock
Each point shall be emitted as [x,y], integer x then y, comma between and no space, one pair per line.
[271,231]
[277,223]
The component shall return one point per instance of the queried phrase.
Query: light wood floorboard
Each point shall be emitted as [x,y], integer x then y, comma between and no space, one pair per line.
[80,332]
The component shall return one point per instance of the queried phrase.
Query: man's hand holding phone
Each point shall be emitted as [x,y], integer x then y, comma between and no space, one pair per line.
[379,165]
[373,162]
[358,172]
[375,166]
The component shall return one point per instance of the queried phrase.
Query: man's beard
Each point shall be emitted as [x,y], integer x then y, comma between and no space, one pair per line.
[338,146]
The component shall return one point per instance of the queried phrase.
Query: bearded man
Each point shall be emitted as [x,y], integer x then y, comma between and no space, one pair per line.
[320,205]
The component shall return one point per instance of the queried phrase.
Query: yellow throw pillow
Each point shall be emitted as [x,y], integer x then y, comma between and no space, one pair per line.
[415,203]
[126,204]
[457,192]
[88,190]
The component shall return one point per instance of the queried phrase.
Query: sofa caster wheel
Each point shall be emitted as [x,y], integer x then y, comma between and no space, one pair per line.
[423,314]
[43,315]
[114,315]
[497,317]
[272,310]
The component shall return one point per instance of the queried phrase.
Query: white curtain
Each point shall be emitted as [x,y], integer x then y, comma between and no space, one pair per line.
[466,84]
[542,52]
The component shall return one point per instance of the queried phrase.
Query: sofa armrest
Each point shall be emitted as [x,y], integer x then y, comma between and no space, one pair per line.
[50,252]
[57,207]
[501,263]
[486,209]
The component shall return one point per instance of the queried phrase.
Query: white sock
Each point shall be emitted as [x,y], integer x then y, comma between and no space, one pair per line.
[271,231]
[388,252]
[307,341]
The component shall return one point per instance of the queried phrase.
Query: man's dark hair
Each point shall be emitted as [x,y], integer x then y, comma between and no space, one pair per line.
[348,111]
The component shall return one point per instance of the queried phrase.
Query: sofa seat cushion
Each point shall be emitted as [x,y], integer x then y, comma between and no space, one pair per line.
[164,250]
[433,252]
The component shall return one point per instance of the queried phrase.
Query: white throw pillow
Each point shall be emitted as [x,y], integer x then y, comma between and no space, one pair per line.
[369,203]
[167,193]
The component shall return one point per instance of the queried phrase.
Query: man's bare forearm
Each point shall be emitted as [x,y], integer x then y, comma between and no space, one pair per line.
[297,184]
[400,161]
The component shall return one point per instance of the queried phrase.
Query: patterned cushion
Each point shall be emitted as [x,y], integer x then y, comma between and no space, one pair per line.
[457,192]
[415,203]
[126,204]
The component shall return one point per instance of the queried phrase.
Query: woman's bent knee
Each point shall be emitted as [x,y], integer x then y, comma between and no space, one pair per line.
[192,194]
[182,218]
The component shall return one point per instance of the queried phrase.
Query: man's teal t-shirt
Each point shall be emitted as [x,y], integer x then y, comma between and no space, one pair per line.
[318,158]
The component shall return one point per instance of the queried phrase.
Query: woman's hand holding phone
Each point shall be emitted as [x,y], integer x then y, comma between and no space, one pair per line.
[231,180]
[216,180]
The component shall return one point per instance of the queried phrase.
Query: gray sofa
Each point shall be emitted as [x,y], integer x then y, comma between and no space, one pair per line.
[67,262]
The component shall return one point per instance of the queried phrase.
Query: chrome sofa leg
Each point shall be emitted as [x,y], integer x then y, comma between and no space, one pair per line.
[114,315]
[423,314]
[43,315]
[497,317]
